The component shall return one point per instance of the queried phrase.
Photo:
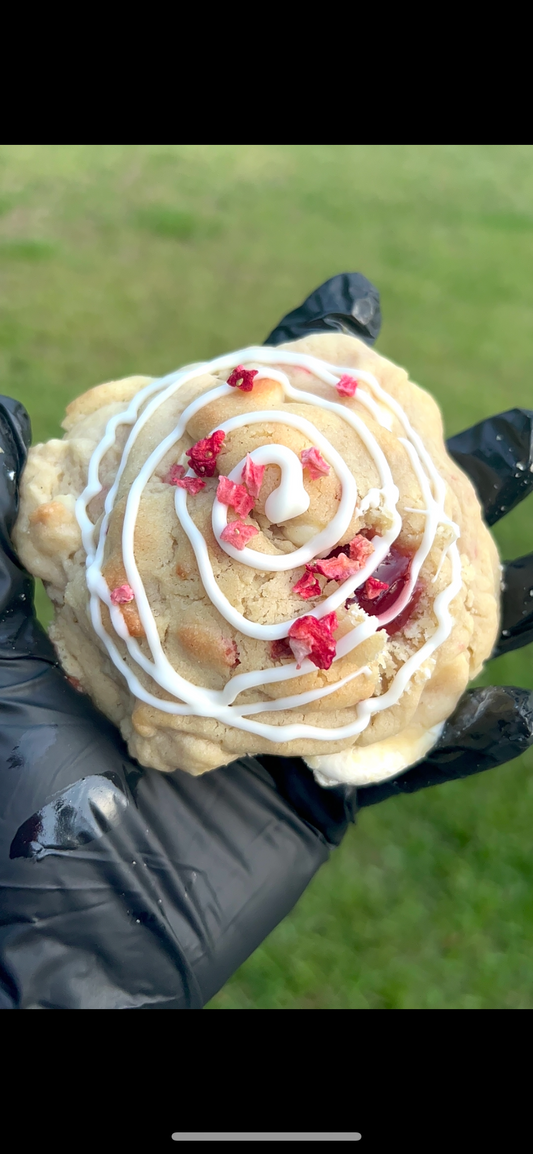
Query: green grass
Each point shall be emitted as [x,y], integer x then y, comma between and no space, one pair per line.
[136,259]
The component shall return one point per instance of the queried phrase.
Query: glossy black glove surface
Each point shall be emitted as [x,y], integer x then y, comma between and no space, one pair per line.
[128,888]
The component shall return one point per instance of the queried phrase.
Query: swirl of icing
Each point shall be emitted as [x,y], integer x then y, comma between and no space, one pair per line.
[289,500]
[337,526]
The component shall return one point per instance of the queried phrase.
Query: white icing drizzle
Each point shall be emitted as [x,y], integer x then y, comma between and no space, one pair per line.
[274,455]
[289,500]
[299,698]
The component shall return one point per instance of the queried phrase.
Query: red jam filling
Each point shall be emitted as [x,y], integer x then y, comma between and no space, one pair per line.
[393,571]
[280,649]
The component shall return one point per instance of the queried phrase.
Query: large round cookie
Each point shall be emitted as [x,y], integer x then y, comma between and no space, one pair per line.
[185,628]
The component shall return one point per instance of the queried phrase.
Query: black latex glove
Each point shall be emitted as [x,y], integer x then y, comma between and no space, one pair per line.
[125,888]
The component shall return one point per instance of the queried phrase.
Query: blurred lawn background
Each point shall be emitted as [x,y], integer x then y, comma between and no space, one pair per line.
[135,259]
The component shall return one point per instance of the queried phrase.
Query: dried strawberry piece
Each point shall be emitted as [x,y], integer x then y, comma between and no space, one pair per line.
[307,586]
[231,653]
[191,484]
[175,473]
[336,568]
[176,476]
[346,386]
[242,378]
[360,549]
[122,595]
[373,588]
[203,455]
[252,475]
[280,648]
[238,534]
[313,460]
[336,552]
[314,639]
[228,493]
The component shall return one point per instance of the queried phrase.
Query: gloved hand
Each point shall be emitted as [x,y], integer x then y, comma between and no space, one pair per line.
[125,888]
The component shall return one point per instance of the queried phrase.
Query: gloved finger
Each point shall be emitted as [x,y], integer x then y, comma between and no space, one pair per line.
[517,605]
[489,727]
[15,437]
[346,303]
[20,632]
[126,888]
[330,811]
[497,455]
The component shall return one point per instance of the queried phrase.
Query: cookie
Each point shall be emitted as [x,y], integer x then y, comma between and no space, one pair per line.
[269,553]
